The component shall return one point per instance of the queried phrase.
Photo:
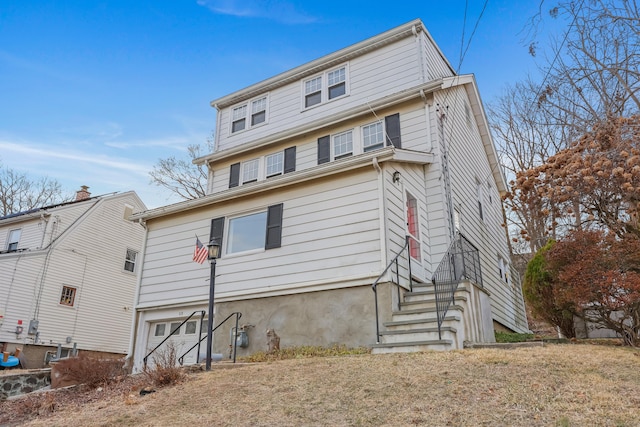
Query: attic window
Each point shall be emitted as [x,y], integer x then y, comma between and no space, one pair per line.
[68,296]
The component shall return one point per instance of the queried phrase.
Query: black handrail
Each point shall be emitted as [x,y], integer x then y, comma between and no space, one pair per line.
[374,286]
[235,341]
[172,333]
[462,260]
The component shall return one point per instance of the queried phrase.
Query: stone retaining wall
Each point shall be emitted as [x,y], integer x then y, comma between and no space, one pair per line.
[25,382]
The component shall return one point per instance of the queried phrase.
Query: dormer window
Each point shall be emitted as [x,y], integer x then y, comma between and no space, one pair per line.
[330,85]
[248,115]
[258,111]
[239,118]
[337,82]
[313,92]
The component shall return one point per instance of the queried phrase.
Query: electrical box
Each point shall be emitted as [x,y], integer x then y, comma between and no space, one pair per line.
[33,326]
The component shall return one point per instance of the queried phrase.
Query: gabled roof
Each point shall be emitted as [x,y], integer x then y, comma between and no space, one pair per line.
[327,61]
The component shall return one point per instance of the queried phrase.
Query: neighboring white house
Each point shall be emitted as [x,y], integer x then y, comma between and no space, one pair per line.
[319,175]
[68,275]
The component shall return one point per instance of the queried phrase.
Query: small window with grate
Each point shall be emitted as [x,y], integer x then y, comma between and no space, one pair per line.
[68,296]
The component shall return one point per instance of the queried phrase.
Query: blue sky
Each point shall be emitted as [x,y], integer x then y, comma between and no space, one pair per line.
[95,92]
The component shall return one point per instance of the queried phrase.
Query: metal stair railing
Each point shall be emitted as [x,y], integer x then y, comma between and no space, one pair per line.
[462,260]
[235,341]
[374,286]
[173,333]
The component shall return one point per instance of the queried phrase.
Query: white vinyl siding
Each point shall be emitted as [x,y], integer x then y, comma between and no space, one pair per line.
[95,271]
[374,75]
[318,244]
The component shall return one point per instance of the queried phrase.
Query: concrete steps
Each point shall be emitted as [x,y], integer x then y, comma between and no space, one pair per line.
[415,326]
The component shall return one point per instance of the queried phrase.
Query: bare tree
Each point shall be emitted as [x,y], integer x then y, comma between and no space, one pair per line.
[594,72]
[181,176]
[19,193]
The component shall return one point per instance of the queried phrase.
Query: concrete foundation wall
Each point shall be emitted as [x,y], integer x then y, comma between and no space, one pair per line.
[325,318]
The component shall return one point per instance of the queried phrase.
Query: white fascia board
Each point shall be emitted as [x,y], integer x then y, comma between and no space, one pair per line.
[326,169]
[320,64]
[330,120]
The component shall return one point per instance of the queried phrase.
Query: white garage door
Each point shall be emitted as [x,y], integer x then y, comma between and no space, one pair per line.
[184,339]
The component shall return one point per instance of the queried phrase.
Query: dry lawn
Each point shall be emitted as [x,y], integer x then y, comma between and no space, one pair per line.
[555,385]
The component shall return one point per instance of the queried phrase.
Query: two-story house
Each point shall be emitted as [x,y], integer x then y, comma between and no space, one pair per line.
[322,177]
[68,276]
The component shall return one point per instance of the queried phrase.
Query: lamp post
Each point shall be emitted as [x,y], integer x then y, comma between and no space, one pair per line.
[214,252]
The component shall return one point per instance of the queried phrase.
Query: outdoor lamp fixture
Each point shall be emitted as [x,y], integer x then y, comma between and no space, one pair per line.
[214,252]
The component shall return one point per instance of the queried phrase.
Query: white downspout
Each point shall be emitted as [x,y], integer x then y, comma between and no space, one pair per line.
[382,207]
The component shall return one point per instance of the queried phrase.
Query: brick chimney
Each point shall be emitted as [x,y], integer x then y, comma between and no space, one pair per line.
[83,193]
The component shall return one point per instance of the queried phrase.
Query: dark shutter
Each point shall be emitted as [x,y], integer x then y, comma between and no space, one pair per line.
[234,175]
[392,128]
[290,159]
[324,149]
[217,231]
[274,227]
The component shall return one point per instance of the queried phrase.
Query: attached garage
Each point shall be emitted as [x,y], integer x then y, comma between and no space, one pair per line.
[181,341]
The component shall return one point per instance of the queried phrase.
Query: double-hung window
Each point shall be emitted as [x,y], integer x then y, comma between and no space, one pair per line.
[239,118]
[337,82]
[313,92]
[14,239]
[248,115]
[130,260]
[258,111]
[250,171]
[343,145]
[368,137]
[372,136]
[274,163]
[330,85]
[253,170]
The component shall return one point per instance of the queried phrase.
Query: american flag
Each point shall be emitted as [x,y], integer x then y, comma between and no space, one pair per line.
[200,253]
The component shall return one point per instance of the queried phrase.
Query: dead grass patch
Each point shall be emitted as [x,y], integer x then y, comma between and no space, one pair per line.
[567,385]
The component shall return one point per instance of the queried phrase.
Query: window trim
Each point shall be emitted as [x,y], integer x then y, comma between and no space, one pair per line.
[249,114]
[325,88]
